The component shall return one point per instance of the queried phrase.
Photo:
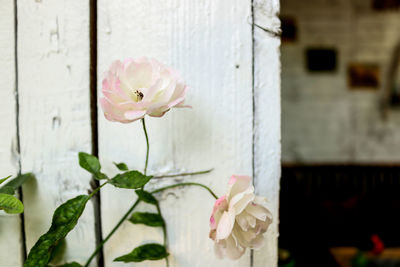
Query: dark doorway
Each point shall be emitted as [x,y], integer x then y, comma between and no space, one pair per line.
[323,207]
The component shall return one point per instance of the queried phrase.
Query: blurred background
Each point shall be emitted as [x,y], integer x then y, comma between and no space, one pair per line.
[340,186]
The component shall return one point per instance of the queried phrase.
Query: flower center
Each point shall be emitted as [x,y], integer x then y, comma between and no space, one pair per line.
[139,95]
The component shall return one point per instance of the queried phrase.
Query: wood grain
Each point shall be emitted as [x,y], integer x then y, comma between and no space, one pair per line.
[10,225]
[233,125]
[210,43]
[53,65]
[267,127]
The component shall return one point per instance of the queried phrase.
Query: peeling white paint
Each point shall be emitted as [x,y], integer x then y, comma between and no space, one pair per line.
[210,43]
[50,125]
[10,225]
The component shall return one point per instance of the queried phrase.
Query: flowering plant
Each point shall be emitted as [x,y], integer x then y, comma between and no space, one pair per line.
[131,90]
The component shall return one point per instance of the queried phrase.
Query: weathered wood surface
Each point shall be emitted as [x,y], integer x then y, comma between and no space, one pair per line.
[267,123]
[11,245]
[233,127]
[210,43]
[54,119]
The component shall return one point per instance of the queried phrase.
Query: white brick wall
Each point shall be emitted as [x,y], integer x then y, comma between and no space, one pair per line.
[322,120]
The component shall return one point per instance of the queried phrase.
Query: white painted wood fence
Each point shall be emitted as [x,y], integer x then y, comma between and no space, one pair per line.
[232,67]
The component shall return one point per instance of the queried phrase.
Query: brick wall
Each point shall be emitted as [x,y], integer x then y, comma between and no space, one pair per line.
[322,119]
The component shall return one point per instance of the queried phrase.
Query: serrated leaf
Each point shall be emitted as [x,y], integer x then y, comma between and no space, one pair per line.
[121,166]
[146,197]
[3,179]
[130,180]
[64,220]
[145,252]
[91,164]
[16,183]
[10,204]
[146,218]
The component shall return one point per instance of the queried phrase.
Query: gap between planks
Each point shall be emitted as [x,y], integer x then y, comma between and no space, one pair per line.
[18,142]
[93,117]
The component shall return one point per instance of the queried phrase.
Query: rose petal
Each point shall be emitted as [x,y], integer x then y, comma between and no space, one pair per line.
[161,87]
[240,201]
[225,225]
[238,184]
[135,114]
[259,212]
[233,251]
[245,221]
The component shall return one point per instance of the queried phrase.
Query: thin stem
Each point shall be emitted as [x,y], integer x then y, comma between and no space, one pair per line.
[148,145]
[185,184]
[182,174]
[111,233]
[164,227]
[133,207]
[97,189]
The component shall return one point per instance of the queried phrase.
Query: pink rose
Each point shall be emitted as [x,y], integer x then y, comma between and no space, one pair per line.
[239,219]
[136,87]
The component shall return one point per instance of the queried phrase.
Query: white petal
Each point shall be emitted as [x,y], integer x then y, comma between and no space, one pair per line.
[246,221]
[233,251]
[138,75]
[135,114]
[257,242]
[241,200]
[248,236]
[225,225]
[219,249]
[238,184]
[252,220]
[262,227]
[259,212]
[242,221]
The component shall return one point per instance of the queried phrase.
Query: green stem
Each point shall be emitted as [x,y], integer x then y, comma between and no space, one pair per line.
[164,227]
[182,174]
[148,145]
[111,233]
[185,184]
[97,189]
[134,206]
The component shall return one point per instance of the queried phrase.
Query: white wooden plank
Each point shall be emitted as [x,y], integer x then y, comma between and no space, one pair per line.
[267,130]
[53,64]
[209,42]
[10,225]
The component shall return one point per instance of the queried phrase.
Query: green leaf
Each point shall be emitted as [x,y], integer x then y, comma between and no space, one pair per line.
[146,197]
[91,164]
[146,218]
[64,220]
[145,252]
[7,190]
[16,183]
[130,180]
[121,166]
[3,179]
[71,264]
[10,204]
[100,176]
[58,252]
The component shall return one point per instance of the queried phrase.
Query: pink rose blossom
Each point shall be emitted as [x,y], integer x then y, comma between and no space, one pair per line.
[239,219]
[136,87]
